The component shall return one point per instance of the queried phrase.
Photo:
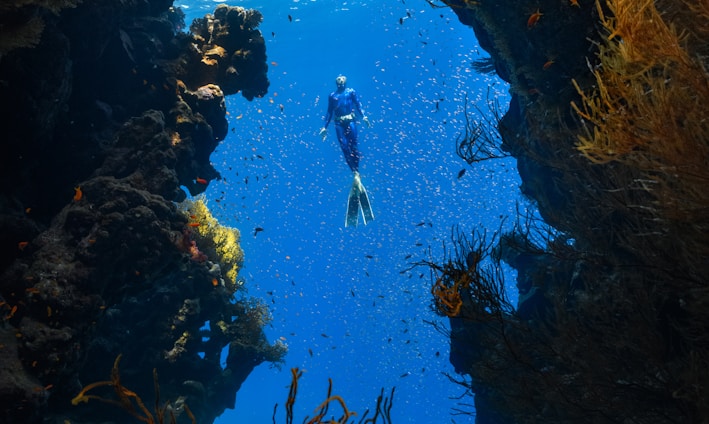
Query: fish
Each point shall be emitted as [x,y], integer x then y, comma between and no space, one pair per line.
[201,181]
[257,230]
[78,194]
[461,173]
[534,18]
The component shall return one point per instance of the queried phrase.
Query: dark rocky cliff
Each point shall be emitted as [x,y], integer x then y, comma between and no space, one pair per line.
[607,123]
[109,112]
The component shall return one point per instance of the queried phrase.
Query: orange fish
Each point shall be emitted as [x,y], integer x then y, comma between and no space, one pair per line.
[215,282]
[21,245]
[533,19]
[12,313]
[575,3]
[548,64]
[201,180]
[78,194]
[193,224]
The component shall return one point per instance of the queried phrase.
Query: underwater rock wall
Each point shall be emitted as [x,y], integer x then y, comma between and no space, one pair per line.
[109,111]
[608,125]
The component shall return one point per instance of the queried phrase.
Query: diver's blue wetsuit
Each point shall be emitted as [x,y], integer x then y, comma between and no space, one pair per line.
[345,107]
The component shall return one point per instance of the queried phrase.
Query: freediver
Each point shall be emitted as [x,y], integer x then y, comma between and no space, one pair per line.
[345,109]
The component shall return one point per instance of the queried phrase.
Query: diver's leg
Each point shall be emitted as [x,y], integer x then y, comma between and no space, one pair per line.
[344,140]
[354,156]
[347,136]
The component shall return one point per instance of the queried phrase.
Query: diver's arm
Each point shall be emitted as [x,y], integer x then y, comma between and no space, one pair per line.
[331,103]
[328,116]
[358,109]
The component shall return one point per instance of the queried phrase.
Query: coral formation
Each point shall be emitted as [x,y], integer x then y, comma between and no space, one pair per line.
[382,409]
[128,400]
[233,51]
[648,80]
[216,241]
[480,140]
[22,22]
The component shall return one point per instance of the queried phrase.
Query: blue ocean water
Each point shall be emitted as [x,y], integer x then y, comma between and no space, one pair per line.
[342,299]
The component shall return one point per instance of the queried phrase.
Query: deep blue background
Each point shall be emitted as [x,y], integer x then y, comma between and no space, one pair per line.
[337,292]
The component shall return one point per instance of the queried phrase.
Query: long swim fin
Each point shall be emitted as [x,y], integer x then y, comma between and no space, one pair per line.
[358,202]
[365,206]
[352,207]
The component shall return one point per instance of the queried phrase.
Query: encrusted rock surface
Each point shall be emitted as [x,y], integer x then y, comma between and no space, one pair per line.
[106,116]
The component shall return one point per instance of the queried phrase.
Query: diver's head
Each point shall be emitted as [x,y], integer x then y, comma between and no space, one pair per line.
[341,80]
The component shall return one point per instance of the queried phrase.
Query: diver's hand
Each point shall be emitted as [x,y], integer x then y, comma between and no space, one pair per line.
[366,122]
[323,133]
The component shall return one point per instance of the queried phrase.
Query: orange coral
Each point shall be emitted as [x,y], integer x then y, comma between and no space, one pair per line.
[446,297]
[650,101]
[649,108]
